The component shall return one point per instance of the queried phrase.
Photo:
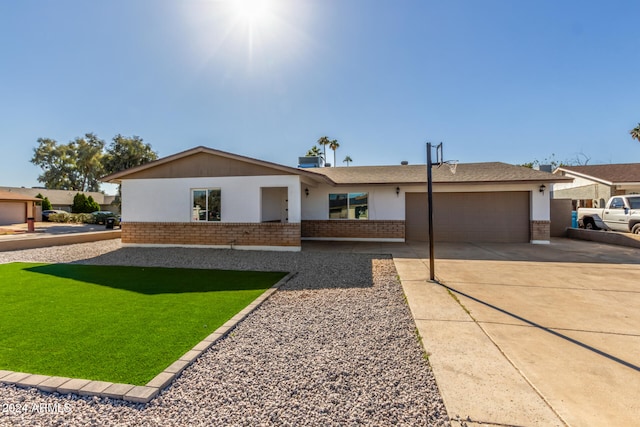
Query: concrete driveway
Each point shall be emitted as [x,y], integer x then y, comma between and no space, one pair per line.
[526,334]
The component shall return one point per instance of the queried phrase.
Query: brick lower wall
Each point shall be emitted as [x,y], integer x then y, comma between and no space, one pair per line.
[211,233]
[344,228]
[540,230]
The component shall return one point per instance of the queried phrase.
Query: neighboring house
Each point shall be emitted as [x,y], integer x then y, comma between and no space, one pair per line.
[16,208]
[207,197]
[593,184]
[63,199]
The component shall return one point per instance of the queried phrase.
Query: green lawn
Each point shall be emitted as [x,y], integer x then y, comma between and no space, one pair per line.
[118,324]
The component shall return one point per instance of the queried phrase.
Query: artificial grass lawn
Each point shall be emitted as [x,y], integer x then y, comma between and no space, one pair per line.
[117,324]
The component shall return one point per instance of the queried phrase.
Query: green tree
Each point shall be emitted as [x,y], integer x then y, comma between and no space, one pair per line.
[635,133]
[314,152]
[333,144]
[57,163]
[79,203]
[84,204]
[127,152]
[73,166]
[92,205]
[89,153]
[348,160]
[46,204]
[323,141]
[79,164]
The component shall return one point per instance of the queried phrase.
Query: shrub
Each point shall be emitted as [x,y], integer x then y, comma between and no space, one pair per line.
[92,205]
[80,218]
[46,204]
[79,203]
[84,204]
[60,217]
[84,218]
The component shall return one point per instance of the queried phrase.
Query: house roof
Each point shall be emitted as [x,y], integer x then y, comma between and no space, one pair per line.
[6,196]
[56,197]
[492,172]
[621,173]
[197,162]
[161,167]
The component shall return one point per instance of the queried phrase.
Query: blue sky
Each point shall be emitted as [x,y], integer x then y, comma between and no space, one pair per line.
[494,80]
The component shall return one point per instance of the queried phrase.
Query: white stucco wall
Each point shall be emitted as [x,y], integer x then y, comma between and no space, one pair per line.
[169,200]
[577,182]
[384,204]
[540,204]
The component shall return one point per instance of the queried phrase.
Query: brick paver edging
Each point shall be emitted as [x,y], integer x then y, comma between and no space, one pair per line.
[129,392]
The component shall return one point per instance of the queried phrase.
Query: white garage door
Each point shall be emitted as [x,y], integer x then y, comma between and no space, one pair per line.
[469,217]
[13,213]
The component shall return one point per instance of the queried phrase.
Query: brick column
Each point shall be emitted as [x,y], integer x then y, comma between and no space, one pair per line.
[540,231]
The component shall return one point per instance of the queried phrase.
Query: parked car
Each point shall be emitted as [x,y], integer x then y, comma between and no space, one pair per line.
[45,214]
[621,213]
[101,216]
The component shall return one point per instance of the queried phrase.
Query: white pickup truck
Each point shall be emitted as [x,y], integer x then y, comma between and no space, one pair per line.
[622,213]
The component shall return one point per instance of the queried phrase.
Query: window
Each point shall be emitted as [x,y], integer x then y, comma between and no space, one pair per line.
[205,204]
[617,203]
[349,206]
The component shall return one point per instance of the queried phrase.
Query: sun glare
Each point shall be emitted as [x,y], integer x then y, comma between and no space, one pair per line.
[256,34]
[251,11]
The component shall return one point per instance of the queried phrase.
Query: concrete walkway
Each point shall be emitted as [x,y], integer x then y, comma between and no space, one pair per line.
[530,335]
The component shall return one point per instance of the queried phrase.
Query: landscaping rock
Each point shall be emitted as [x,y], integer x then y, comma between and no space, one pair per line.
[334,346]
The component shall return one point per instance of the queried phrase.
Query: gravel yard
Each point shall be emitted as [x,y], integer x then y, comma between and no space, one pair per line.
[335,346]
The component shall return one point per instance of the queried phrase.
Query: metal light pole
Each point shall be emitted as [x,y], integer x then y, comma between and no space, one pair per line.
[432,274]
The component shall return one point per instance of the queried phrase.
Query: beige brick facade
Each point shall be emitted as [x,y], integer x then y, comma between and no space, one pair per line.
[211,233]
[540,230]
[389,229]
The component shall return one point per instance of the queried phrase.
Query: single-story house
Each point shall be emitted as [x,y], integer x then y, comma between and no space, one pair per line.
[16,208]
[63,199]
[593,185]
[207,197]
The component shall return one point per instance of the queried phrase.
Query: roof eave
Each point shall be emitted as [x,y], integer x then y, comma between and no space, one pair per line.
[585,176]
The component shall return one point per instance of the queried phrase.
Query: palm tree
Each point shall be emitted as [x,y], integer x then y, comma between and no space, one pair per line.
[347,159]
[635,133]
[314,152]
[324,141]
[333,144]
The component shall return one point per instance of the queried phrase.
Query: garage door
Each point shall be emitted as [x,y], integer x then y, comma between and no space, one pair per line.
[469,217]
[13,213]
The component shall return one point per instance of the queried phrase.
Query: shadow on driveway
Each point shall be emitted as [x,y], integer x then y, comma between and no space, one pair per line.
[565,315]
[566,250]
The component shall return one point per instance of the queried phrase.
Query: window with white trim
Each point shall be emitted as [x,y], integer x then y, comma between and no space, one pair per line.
[349,206]
[205,204]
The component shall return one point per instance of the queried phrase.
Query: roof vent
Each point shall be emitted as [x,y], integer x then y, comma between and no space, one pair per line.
[404,163]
